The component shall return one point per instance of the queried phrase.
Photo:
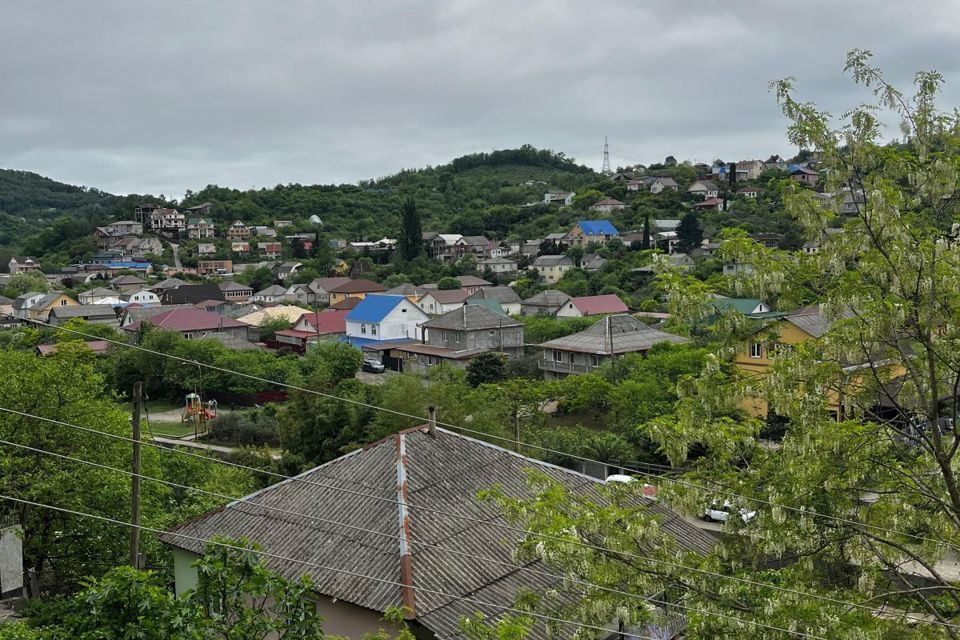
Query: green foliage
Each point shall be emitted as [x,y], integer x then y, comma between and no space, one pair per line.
[689,233]
[22,283]
[486,368]
[447,284]
[537,329]
[411,236]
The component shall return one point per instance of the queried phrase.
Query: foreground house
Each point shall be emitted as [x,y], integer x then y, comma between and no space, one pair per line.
[403,557]
[609,338]
[545,303]
[551,268]
[234,291]
[95,313]
[310,329]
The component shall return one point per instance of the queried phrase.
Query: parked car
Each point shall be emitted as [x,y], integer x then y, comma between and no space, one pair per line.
[720,512]
[373,366]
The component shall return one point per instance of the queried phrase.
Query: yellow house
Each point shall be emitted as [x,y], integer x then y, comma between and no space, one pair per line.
[358,289]
[42,307]
[807,323]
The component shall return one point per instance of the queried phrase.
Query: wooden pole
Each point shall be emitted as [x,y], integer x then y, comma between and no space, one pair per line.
[135,479]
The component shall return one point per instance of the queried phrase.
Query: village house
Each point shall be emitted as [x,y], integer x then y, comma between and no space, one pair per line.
[199,229]
[380,321]
[312,328]
[261,230]
[659,185]
[737,268]
[442,246]
[92,313]
[286,269]
[551,268]
[124,284]
[240,247]
[749,192]
[472,284]
[477,246]
[499,266]
[607,205]
[193,324]
[609,338]
[191,294]
[285,312]
[440,301]
[804,175]
[143,297]
[411,292]
[131,247]
[214,267]
[168,283]
[581,306]
[563,198]
[354,288]
[269,250]
[302,240]
[545,303]
[587,232]
[38,306]
[206,249]
[592,262]
[321,288]
[441,474]
[710,204]
[100,295]
[22,265]
[273,294]
[457,337]
[704,188]
[238,231]
[750,307]
[506,297]
[235,291]
[167,220]
[750,170]
[300,294]
[282,224]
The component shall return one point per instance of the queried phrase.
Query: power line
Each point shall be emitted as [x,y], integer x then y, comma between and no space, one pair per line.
[307,563]
[503,526]
[235,501]
[721,491]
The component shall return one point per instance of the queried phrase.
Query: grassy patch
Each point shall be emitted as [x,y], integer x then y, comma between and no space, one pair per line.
[171,429]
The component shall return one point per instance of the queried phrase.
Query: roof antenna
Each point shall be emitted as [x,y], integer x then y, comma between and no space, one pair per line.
[432,421]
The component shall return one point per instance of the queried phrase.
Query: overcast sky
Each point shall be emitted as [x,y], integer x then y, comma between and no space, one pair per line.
[161,96]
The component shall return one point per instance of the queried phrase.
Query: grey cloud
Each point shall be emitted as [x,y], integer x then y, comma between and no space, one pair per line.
[162,96]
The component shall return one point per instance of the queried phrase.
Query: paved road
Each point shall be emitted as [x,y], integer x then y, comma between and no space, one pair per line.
[176,256]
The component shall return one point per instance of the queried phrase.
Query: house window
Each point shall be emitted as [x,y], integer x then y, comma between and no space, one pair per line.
[456,337]
[373,329]
[595,360]
[363,329]
[571,358]
[558,356]
[756,350]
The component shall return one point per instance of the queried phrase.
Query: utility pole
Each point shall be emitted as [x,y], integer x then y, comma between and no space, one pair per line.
[135,479]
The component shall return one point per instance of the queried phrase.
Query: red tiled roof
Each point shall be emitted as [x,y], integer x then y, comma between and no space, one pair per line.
[709,202]
[189,320]
[596,305]
[359,285]
[330,321]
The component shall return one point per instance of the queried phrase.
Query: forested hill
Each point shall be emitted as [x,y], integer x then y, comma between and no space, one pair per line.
[473,194]
[453,197]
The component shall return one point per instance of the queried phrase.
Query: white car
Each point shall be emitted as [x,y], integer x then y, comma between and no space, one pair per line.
[720,512]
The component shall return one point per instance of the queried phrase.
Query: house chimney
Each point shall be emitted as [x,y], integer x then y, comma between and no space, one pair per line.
[432,421]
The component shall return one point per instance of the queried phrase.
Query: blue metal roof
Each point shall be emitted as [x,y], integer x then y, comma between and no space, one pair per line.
[598,228]
[374,308]
[127,265]
[360,343]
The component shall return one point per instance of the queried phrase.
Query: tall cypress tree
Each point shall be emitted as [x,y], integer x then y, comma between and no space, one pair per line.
[411,241]
[689,233]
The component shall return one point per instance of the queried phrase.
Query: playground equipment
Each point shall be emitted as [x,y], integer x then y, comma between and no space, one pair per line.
[197,411]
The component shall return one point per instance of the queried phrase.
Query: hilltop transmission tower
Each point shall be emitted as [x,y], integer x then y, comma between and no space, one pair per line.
[605,170]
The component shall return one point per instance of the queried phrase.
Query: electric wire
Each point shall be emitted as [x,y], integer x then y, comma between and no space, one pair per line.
[456,428]
[502,526]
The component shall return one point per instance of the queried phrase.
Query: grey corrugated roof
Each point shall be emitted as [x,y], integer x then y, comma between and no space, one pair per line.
[625,333]
[548,298]
[169,283]
[502,294]
[811,320]
[83,311]
[272,290]
[471,317]
[443,475]
[552,261]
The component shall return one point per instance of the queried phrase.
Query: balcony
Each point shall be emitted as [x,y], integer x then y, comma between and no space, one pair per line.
[570,368]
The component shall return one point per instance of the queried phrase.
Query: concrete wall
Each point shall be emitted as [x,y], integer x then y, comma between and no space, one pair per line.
[11,560]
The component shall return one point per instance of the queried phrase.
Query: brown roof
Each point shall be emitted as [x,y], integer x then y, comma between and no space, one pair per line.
[449,296]
[360,285]
[189,320]
[346,304]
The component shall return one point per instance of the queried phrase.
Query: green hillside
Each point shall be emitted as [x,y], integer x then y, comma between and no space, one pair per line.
[473,194]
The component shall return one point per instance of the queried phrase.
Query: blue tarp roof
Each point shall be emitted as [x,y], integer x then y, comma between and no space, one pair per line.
[598,227]
[374,308]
